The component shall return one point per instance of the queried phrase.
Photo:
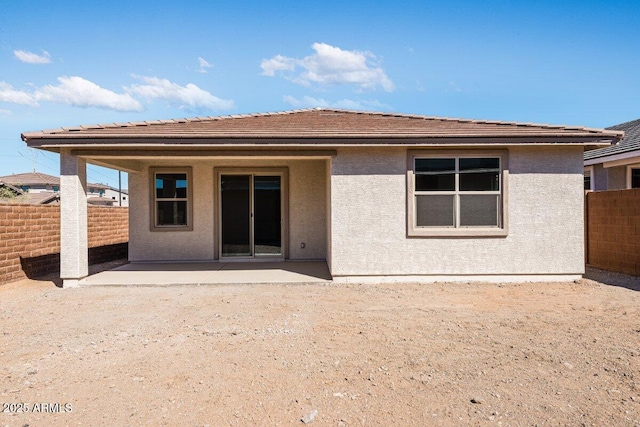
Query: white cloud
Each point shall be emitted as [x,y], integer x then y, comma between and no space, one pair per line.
[80,92]
[6,112]
[277,63]
[74,91]
[203,65]
[305,101]
[189,96]
[331,65]
[32,58]
[9,94]
[347,104]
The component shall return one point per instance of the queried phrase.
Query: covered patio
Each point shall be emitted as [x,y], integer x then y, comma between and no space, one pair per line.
[210,273]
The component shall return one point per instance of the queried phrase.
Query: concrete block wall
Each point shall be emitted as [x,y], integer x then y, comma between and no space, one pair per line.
[107,225]
[30,237]
[613,230]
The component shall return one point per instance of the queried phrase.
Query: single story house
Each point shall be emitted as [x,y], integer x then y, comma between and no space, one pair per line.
[616,167]
[379,196]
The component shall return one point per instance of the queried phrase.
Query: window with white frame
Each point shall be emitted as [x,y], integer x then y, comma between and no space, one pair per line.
[172,200]
[456,194]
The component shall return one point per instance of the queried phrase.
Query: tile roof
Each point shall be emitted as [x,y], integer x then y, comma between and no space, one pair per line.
[312,124]
[100,201]
[38,178]
[631,141]
[16,190]
[98,186]
[43,198]
[31,178]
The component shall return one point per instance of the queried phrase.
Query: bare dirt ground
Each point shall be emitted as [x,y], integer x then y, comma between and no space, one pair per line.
[541,354]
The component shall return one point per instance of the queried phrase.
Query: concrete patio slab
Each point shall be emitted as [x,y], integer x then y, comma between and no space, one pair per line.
[200,273]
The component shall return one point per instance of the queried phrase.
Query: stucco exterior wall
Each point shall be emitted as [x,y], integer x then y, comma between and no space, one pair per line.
[307,211]
[545,218]
[600,175]
[617,179]
[614,178]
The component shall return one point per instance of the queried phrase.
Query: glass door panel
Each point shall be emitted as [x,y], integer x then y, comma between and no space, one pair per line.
[236,211]
[267,225]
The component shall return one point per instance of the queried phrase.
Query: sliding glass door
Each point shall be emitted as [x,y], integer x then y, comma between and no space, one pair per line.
[267,222]
[251,215]
[236,215]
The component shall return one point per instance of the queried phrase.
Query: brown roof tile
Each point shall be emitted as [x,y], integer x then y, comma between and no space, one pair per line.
[30,178]
[43,198]
[320,124]
[14,189]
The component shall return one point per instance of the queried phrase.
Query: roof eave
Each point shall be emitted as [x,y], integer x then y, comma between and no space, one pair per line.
[30,136]
[612,157]
[51,141]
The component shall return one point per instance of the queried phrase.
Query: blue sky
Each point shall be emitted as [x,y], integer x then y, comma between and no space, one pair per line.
[561,62]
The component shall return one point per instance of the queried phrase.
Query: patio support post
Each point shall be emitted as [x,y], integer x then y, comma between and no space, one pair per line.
[73,219]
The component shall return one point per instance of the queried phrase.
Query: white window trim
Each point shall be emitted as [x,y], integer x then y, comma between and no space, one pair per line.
[153,201]
[500,231]
[629,168]
[592,177]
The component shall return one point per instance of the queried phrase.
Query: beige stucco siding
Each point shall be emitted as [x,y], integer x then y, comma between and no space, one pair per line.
[307,211]
[600,174]
[365,205]
[545,205]
[196,245]
[612,178]
[617,178]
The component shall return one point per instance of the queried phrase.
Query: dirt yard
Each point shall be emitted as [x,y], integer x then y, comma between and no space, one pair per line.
[543,354]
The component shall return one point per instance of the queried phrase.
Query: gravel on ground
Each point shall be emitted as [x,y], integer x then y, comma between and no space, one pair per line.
[324,354]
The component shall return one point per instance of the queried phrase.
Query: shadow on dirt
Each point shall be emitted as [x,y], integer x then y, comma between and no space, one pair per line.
[613,279]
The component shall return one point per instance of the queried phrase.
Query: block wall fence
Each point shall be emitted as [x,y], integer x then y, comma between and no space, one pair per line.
[612,233]
[30,238]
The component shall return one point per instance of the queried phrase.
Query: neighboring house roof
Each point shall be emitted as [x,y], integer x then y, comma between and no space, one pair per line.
[31,178]
[98,186]
[38,178]
[99,201]
[43,198]
[17,191]
[631,141]
[123,191]
[316,127]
